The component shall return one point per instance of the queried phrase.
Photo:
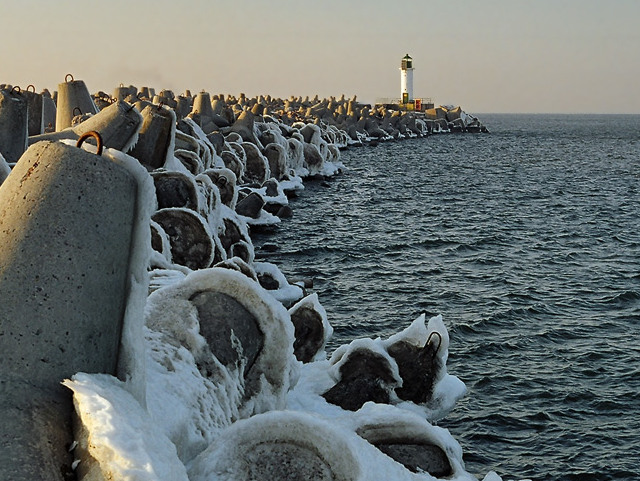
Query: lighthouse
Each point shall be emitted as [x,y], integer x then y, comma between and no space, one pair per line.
[406,79]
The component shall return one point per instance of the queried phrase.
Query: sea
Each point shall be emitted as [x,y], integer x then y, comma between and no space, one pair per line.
[527,241]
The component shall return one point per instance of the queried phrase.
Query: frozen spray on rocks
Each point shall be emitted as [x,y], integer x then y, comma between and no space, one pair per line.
[187,358]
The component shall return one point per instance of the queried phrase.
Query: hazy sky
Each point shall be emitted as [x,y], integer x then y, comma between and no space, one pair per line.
[487,56]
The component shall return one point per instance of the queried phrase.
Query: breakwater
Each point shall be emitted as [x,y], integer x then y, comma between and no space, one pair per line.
[208,349]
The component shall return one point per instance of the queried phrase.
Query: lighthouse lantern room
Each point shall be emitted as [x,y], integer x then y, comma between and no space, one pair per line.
[406,79]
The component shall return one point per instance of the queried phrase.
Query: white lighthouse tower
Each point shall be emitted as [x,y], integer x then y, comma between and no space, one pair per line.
[406,79]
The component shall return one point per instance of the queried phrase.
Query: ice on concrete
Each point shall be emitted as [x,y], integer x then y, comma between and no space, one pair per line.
[118,439]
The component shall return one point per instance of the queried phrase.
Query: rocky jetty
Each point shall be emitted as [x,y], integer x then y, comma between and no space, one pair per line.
[135,310]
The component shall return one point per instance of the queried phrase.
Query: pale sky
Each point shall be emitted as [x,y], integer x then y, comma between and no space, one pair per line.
[568,56]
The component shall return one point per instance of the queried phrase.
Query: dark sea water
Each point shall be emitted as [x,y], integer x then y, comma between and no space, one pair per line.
[527,241]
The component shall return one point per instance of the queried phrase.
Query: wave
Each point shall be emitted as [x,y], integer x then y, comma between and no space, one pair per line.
[622,298]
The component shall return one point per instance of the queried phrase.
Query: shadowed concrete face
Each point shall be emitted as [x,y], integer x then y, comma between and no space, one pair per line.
[256,165]
[312,157]
[174,189]
[14,120]
[225,181]
[118,124]
[244,126]
[191,242]
[183,106]
[233,163]
[5,169]
[35,103]
[276,157]
[250,206]
[159,240]
[242,250]
[222,318]
[410,443]
[418,457]
[238,264]
[271,187]
[365,376]
[156,136]
[231,234]
[309,332]
[418,368]
[48,112]
[217,140]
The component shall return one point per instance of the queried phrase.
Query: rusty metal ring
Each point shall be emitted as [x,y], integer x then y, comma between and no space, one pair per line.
[95,135]
[16,89]
[67,76]
[32,86]
[439,341]
[73,112]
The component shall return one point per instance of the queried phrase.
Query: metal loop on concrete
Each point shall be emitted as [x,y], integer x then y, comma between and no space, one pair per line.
[74,111]
[439,341]
[67,76]
[16,90]
[31,86]
[93,134]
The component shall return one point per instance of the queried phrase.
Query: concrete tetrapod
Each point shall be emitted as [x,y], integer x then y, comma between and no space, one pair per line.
[312,329]
[157,137]
[175,189]
[232,326]
[66,223]
[73,99]
[35,102]
[5,169]
[410,440]
[48,112]
[365,375]
[14,121]
[192,243]
[118,125]
[287,446]
[226,181]
[257,169]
